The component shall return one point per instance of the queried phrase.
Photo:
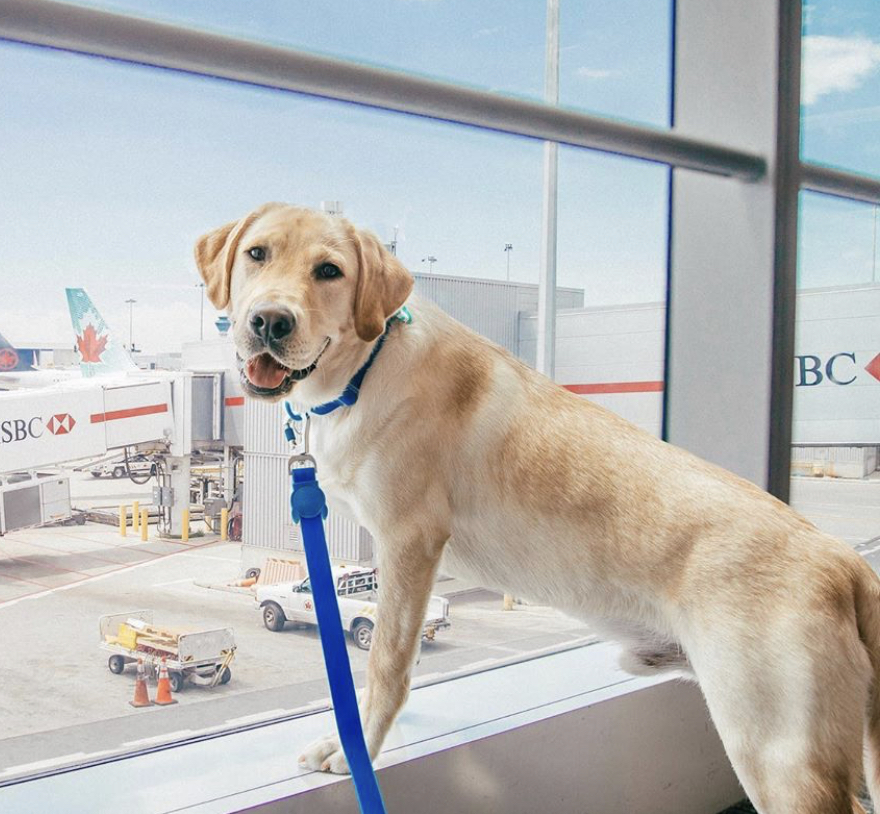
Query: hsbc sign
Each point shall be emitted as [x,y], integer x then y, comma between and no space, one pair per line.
[14,430]
[841,369]
[48,426]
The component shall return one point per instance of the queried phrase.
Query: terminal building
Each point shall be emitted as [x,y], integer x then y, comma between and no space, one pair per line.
[612,355]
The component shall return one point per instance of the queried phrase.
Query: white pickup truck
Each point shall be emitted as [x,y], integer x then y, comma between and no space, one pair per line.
[356,589]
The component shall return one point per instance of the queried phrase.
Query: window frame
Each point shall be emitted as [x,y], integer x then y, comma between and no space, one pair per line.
[741,159]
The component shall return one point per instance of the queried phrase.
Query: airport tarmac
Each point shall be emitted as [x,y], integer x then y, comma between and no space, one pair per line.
[60,704]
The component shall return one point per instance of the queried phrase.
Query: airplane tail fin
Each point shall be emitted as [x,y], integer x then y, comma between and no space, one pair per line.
[100,352]
[14,359]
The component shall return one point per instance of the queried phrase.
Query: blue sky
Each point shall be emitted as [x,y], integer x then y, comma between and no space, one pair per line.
[110,172]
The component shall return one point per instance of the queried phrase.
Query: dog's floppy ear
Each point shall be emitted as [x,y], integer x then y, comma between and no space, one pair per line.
[215,253]
[382,287]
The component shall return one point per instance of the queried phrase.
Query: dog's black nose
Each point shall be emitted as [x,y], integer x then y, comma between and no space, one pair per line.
[271,322]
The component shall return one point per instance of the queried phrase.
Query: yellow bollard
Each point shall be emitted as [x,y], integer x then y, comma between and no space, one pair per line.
[508,602]
[184,526]
[123,519]
[224,524]
[144,525]
[135,515]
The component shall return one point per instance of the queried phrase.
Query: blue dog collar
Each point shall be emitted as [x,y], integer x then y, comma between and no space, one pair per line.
[353,388]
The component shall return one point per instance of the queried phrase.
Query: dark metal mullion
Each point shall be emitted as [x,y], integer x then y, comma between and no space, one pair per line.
[787,174]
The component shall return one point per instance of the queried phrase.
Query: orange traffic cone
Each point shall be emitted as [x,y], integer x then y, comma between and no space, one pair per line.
[163,693]
[141,696]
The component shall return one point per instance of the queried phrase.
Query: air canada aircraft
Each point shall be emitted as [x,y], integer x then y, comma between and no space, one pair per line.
[15,360]
[100,352]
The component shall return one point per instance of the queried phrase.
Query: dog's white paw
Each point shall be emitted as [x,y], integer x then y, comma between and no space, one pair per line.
[325,755]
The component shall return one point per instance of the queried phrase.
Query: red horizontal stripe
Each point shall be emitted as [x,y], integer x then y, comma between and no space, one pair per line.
[150,409]
[235,401]
[615,387]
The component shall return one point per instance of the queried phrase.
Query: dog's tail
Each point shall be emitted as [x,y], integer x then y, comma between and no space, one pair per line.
[867,602]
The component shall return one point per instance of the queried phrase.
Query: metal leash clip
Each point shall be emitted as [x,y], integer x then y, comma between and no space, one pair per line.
[301,461]
[303,458]
[293,425]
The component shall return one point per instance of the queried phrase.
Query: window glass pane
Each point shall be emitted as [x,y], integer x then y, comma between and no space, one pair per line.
[612,252]
[111,172]
[840,89]
[836,429]
[614,58]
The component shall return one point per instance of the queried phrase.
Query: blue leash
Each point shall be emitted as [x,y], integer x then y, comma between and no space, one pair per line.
[308,507]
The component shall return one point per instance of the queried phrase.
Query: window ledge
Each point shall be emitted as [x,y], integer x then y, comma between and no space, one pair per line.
[536,735]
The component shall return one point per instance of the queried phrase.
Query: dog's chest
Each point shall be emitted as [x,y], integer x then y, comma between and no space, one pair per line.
[333,444]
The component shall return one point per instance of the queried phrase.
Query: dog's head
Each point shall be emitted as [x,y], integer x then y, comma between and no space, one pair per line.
[307,294]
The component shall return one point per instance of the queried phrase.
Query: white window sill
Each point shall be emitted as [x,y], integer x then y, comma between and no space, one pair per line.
[537,735]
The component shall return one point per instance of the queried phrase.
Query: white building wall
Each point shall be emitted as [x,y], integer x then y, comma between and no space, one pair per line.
[838,333]
[613,356]
[490,307]
[837,373]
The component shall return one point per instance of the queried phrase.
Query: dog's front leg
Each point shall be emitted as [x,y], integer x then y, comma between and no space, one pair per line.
[406,576]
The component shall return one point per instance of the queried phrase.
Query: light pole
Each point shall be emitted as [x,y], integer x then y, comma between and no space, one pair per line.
[201,312]
[130,322]
[430,260]
[547,281]
[508,248]
[874,248]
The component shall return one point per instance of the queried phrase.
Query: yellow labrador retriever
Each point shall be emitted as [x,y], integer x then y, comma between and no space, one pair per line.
[456,448]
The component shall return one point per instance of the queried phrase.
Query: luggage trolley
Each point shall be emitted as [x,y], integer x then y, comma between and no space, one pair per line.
[201,657]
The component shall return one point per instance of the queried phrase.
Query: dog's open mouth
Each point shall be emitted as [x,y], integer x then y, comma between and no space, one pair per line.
[264,375]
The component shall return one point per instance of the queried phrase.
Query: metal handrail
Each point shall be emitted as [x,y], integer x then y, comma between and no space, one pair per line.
[840,183]
[125,38]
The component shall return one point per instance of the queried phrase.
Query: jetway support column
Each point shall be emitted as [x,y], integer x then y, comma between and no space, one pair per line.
[228,476]
[178,468]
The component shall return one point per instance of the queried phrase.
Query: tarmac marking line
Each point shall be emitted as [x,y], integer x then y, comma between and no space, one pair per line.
[479,665]
[51,567]
[44,764]
[166,736]
[209,557]
[49,591]
[67,553]
[257,716]
[4,575]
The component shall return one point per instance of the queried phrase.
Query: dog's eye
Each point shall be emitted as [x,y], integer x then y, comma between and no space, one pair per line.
[327,271]
[257,253]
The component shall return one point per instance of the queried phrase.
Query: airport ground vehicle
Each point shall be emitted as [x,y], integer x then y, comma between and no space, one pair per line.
[137,465]
[201,657]
[356,589]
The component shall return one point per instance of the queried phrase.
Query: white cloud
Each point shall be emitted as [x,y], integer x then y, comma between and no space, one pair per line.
[488,32]
[833,64]
[595,73]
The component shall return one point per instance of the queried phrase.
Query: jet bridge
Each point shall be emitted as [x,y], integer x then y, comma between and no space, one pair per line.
[47,427]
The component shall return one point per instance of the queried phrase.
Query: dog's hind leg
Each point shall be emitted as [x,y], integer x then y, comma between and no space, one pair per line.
[789,710]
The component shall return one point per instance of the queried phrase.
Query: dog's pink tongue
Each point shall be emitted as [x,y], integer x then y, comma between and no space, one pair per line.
[264,371]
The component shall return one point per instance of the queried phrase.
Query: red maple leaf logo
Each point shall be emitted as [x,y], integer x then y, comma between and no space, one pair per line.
[90,346]
[8,359]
